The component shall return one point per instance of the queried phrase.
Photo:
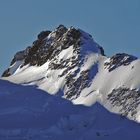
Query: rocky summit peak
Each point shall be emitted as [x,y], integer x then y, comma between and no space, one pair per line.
[43,35]
[49,44]
[118,60]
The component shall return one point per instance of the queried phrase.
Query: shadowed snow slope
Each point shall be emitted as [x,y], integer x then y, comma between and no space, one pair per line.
[30,113]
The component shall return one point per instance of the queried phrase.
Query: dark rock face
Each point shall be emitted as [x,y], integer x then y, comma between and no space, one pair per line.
[119,60]
[40,51]
[43,34]
[47,49]
[128,100]
[75,86]
[37,51]
[102,50]
[6,73]
[21,55]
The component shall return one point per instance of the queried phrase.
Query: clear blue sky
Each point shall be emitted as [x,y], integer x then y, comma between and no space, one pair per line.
[114,24]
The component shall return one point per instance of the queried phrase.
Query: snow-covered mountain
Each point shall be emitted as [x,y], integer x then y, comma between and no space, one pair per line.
[67,66]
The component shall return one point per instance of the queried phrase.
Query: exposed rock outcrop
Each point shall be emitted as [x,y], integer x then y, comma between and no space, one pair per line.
[119,60]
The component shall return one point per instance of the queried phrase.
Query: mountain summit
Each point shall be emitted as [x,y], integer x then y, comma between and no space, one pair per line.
[50,44]
[68,63]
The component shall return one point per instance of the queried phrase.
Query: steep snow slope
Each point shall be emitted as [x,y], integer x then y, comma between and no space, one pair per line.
[30,113]
[69,63]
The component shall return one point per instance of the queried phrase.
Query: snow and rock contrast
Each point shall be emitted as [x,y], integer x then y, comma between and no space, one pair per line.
[67,66]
